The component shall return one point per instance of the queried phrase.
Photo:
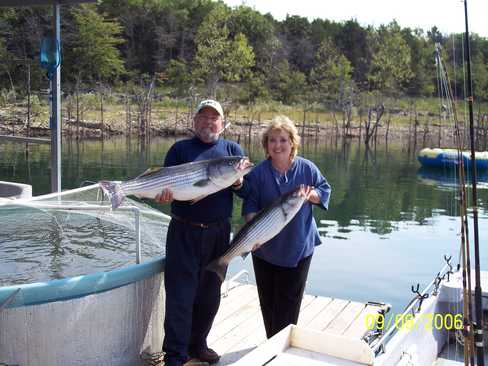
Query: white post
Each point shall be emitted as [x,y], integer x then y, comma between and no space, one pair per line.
[56,127]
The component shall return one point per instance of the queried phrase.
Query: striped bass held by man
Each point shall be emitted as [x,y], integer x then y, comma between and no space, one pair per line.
[263,227]
[188,182]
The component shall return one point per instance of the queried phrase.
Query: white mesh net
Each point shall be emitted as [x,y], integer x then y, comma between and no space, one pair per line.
[75,233]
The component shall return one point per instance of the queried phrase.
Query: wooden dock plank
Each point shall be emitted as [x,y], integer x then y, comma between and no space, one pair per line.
[234,340]
[246,345]
[240,316]
[359,327]
[238,327]
[328,314]
[231,304]
[345,318]
[243,339]
[311,311]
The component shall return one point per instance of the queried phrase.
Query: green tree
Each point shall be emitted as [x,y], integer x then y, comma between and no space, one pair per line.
[295,34]
[480,77]
[94,54]
[353,41]
[254,89]
[220,56]
[260,32]
[7,64]
[332,72]
[178,76]
[422,63]
[391,62]
[288,85]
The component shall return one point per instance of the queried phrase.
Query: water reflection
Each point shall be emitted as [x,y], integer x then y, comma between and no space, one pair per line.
[449,178]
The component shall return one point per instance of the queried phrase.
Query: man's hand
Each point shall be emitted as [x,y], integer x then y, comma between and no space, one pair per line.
[166,196]
[238,183]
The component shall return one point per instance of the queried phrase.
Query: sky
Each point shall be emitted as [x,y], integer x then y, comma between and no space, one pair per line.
[447,15]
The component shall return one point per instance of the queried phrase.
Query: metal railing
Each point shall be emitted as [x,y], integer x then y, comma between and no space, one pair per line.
[382,341]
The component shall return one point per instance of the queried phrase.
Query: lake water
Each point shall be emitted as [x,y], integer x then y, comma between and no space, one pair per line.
[388,226]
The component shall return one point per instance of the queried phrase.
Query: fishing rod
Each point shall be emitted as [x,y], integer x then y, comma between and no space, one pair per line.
[478,328]
[445,88]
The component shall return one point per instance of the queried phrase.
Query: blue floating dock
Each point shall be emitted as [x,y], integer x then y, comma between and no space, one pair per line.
[450,158]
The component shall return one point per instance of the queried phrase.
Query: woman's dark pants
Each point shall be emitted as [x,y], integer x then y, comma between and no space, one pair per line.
[280,291]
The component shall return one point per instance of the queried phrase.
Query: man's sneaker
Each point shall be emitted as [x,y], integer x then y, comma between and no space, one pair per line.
[207,355]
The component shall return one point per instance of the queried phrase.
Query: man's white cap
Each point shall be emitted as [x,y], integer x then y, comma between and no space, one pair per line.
[211,104]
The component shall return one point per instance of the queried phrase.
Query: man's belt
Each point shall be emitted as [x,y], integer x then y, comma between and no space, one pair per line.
[201,225]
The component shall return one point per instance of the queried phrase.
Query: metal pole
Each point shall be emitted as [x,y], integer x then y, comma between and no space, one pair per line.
[478,328]
[56,110]
[138,235]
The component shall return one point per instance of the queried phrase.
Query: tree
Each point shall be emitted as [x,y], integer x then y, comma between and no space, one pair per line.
[7,64]
[332,72]
[94,55]
[288,85]
[353,41]
[435,35]
[178,76]
[422,63]
[390,66]
[295,35]
[259,31]
[480,77]
[220,56]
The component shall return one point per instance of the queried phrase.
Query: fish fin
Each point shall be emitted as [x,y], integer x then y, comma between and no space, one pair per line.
[195,200]
[244,255]
[202,183]
[219,269]
[149,171]
[114,192]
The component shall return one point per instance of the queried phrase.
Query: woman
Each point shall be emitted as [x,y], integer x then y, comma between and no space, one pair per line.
[281,265]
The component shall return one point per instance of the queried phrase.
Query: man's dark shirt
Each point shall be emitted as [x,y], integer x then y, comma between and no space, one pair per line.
[213,208]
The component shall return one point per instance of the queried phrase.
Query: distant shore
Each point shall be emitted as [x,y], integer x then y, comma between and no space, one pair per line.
[245,129]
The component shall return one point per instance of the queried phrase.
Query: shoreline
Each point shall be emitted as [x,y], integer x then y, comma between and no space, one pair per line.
[239,130]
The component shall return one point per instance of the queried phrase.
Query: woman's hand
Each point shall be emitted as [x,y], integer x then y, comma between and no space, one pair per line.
[310,194]
[313,196]
[166,196]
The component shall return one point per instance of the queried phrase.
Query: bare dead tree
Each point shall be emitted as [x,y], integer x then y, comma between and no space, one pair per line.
[388,121]
[371,127]
[143,98]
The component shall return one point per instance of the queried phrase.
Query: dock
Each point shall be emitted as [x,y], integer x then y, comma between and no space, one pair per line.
[238,327]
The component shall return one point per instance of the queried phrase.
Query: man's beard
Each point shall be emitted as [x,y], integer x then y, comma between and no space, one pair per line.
[206,134]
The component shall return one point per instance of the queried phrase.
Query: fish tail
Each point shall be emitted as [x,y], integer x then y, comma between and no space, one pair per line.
[219,268]
[113,191]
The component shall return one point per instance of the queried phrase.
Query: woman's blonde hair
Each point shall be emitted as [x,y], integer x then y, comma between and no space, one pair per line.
[282,123]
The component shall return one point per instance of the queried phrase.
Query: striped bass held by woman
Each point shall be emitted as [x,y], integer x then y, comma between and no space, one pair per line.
[188,182]
[263,227]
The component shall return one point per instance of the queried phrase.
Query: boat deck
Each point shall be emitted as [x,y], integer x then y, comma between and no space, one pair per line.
[238,327]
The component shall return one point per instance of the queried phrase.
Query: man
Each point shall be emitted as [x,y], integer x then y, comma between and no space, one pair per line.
[197,234]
